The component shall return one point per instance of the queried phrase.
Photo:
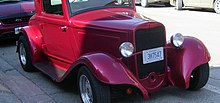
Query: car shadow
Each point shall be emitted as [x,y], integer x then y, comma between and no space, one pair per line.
[169,93]
[198,9]
[7,42]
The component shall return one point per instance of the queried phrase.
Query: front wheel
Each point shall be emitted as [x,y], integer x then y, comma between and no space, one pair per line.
[144,3]
[90,89]
[24,54]
[199,77]
[217,6]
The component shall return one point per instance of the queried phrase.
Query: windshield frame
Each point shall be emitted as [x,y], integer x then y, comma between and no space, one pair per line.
[95,8]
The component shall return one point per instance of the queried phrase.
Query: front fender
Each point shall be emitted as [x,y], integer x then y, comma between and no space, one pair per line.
[182,61]
[110,70]
[34,37]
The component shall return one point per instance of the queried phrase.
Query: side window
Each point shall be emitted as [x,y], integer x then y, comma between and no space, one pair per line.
[53,7]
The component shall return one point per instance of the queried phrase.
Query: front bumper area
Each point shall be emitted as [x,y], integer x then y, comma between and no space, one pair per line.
[7,31]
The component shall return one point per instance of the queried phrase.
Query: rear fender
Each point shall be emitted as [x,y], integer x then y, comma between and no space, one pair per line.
[182,61]
[109,70]
[34,37]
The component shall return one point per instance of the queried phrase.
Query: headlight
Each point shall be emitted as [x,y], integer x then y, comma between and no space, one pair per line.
[126,49]
[177,40]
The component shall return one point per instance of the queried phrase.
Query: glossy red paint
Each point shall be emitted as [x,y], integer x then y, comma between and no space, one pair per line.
[109,70]
[93,38]
[184,60]
[35,42]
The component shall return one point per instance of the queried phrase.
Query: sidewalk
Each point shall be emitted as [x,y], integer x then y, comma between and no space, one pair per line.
[15,88]
[6,96]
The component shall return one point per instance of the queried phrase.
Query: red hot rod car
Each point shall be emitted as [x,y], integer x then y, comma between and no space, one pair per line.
[105,46]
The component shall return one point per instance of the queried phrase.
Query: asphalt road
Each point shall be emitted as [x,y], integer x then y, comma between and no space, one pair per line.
[17,86]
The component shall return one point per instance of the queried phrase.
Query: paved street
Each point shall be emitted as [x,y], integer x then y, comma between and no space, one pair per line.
[17,86]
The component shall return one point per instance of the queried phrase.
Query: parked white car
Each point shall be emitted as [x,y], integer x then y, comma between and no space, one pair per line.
[145,3]
[213,4]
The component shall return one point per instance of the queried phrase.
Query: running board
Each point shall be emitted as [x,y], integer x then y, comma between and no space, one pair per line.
[50,70]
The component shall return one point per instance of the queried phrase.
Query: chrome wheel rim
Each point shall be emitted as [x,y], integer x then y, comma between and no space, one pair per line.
[217,6]
[85,89]
[22,54]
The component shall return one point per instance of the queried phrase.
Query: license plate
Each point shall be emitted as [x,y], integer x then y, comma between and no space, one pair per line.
[153,55]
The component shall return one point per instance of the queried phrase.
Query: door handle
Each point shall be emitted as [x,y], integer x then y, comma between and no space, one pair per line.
[63,28]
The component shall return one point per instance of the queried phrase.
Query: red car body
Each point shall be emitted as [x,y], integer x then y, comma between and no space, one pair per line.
[59,44]
[14,14]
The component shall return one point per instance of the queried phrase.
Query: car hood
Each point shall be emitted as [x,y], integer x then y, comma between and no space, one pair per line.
[110,19]
[17,8]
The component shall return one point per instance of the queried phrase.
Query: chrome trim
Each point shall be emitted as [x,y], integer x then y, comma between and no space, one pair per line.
[17,30]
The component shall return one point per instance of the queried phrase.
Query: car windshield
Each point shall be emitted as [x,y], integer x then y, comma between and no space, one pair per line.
[1,1]
[77,6]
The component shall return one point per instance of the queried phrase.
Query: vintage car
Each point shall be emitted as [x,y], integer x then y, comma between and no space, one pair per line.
[208,4]
[106,48]
[145,3]
[14,13]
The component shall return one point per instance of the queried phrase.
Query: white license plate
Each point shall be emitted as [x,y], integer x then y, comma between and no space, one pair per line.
[153,55]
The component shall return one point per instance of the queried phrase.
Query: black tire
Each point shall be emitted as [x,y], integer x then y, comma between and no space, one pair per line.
[100,91]
[179,4]
[23,45]
[144,3]
[199,77]
[217,6]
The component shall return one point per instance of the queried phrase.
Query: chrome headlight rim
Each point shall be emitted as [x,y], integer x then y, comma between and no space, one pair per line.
[126,49]
[177,40]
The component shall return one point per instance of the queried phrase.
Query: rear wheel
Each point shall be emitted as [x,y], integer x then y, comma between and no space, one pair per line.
[24,54]
[90,89]
[199,77]
[144,3]
[217,6]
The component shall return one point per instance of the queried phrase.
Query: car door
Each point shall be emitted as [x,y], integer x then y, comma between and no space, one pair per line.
[207,3]
[191,2]
[56,33]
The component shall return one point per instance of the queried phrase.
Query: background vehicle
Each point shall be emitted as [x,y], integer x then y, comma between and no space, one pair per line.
[14,13]
[106,48]
[212,4]
[145,3]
